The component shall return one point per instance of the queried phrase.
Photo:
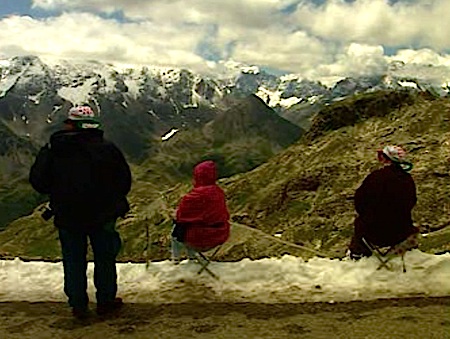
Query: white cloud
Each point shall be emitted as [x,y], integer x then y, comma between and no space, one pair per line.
[418,23]
[294,52]
[319,42]
[91,37]
[353,60]
[249,13]
[424,56]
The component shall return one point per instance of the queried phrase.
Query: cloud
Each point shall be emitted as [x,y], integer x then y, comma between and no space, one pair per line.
[248,13]
[412,23]
[91,37]
[424,56]
[289,51]
[338,38]
[353,60]
[403,23]
[172,33]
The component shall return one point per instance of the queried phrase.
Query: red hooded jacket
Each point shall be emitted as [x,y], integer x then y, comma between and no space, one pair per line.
[203,211]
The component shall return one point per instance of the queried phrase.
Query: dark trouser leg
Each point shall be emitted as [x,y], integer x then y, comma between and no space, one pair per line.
[74,249]
[357,246]
[106,245]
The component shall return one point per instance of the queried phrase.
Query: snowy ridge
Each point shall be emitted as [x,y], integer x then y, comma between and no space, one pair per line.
[289,279]
[274,99]
[79,94]
[83,81]
[8,80]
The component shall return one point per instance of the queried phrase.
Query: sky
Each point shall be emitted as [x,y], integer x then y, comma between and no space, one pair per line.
[313,38]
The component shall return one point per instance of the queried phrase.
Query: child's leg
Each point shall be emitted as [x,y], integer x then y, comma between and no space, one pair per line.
[177,247]
[191,253]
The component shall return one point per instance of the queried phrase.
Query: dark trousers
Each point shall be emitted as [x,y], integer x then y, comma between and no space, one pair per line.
[380,236]
[105,243]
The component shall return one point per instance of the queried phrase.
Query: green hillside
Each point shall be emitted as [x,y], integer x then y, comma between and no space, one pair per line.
[239,139]
[305,193]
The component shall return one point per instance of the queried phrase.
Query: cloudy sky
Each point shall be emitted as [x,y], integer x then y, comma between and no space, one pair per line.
[316,38]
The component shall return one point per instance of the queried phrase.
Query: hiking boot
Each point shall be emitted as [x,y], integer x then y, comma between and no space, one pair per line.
[80,313]
[356,256]
[109,306]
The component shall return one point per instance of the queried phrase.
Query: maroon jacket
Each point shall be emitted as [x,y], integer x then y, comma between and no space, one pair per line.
[384,202]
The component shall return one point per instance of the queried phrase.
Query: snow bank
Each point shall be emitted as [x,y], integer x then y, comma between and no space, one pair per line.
[288,279]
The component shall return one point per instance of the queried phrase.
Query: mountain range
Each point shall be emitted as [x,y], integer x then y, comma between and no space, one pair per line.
[283,145]
[151,101]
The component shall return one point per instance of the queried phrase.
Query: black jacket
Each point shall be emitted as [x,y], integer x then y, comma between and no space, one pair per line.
[384,202]
[86,177]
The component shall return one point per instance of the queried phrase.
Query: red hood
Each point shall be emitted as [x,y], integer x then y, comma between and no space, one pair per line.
[205,174]
[205,203]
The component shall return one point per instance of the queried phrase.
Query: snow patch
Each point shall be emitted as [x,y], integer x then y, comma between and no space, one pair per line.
[152,113]
[273,98]
[409,84]
[169,77]
[168,135]
[5,63]
[9,81]
[36,98]
[289,279]
[79,94]
[313,99]
[107,75]
[288,102]
[133,86]
[194,105]
[250,69]
[289,77]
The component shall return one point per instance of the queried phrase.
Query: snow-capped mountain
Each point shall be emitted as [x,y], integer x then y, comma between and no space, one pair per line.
[34,95]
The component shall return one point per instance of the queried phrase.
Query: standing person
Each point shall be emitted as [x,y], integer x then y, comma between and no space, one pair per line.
[384,202]
[202,217]
[87,179]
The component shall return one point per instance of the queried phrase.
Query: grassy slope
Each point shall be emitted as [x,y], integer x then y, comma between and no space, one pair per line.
[239,139]
[235,151]
[306,191]
[16,195]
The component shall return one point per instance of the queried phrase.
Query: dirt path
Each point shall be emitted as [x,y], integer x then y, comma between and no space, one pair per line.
[425,318]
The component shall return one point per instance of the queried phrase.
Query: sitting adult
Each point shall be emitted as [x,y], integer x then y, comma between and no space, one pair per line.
[202,217]
[384,202]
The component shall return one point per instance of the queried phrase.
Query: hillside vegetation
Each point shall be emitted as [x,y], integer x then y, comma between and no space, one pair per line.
[239,139]
[305,193]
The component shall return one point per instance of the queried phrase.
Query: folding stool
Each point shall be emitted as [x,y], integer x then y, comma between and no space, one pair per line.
[400,249]
[204,261]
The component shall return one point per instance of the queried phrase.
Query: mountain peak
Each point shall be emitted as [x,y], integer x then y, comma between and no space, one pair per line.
[251,117]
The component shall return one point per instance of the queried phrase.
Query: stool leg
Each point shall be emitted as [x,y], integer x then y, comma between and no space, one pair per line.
[204,265]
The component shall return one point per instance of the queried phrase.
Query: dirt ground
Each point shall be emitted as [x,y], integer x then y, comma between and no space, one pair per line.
[425,318]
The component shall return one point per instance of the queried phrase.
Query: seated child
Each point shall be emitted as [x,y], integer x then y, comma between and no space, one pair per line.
[202,217]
